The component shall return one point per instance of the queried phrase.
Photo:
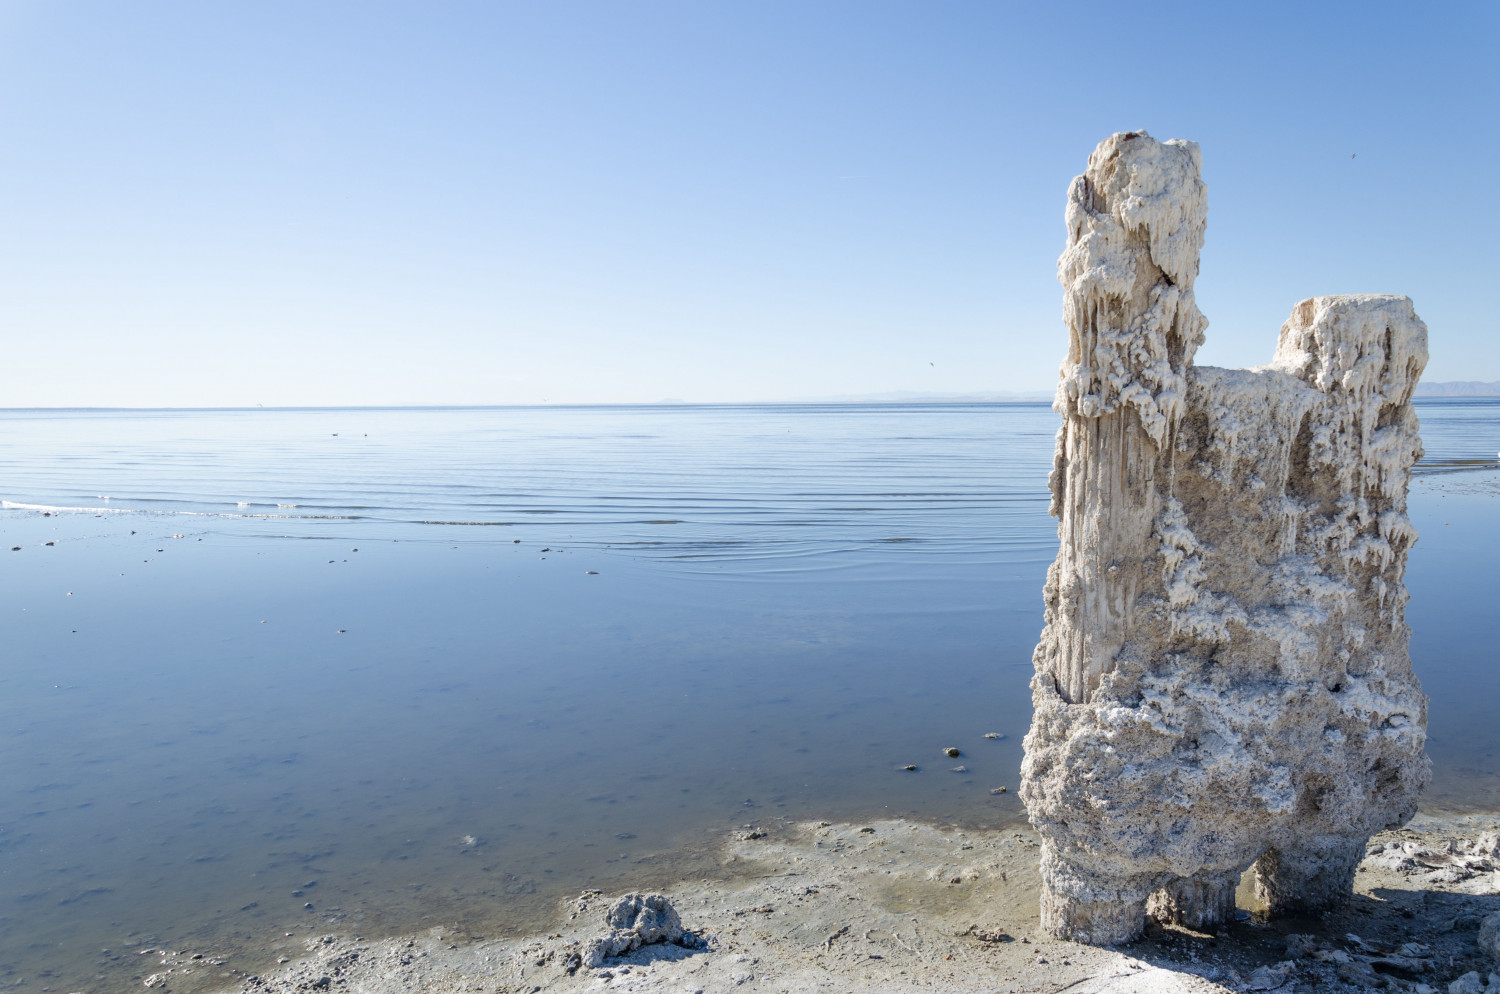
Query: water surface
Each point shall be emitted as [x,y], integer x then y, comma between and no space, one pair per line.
[413,667]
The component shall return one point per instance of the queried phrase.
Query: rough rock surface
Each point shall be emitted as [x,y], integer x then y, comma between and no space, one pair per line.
[1224,677]
[1473,983]
[637,920]
[1489,936]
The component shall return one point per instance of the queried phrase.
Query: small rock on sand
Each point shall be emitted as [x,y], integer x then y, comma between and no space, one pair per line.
[637,920]
[1473,983]
[1489,936]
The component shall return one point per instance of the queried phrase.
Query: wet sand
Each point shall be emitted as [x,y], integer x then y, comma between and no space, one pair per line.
[895,905]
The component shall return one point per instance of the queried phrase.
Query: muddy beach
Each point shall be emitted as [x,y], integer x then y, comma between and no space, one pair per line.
[897,905]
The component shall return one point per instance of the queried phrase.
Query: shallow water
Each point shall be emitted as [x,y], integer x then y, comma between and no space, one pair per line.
[460,721]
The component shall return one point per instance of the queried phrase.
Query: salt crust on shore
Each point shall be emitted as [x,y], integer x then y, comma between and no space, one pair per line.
[897,906]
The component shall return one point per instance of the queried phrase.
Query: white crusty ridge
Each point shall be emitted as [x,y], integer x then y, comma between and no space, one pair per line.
[1223,679]
[1135,227]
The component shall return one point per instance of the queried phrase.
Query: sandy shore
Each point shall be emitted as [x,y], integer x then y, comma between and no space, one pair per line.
[898,906]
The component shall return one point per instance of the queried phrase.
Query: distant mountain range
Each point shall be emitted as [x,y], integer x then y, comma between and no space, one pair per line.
[1459,388]
[1455,388]
[918,397]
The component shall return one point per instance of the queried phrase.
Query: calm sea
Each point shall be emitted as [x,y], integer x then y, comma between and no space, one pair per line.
[293,671]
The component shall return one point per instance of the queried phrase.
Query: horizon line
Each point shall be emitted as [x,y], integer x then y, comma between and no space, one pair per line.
[892,399]
[542,406]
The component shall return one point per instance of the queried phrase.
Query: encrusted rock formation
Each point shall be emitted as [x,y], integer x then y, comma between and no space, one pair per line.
[1224,679]
[637,920]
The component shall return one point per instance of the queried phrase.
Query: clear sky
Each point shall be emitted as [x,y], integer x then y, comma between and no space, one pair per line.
[317,202]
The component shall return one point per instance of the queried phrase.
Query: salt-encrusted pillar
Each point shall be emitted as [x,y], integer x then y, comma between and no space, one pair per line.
[1135,226]
[1223,677]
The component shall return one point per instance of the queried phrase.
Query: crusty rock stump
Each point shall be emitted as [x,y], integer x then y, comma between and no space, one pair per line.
[637,920]
[1223,679]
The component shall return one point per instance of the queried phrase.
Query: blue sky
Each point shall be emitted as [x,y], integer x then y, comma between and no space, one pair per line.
[207,204]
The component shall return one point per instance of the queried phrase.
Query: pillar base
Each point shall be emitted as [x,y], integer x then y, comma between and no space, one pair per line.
[1203,903]
[1308,879]
[1096,923]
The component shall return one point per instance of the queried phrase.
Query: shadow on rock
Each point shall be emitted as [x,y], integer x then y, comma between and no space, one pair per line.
[1424,941]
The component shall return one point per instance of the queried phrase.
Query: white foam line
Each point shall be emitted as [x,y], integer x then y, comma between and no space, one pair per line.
[11,505]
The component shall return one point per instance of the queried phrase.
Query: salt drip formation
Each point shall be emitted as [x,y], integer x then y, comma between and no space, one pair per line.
[1224,677]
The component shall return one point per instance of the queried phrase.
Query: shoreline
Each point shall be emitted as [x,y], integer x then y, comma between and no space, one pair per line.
[240,745]
[897,905]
